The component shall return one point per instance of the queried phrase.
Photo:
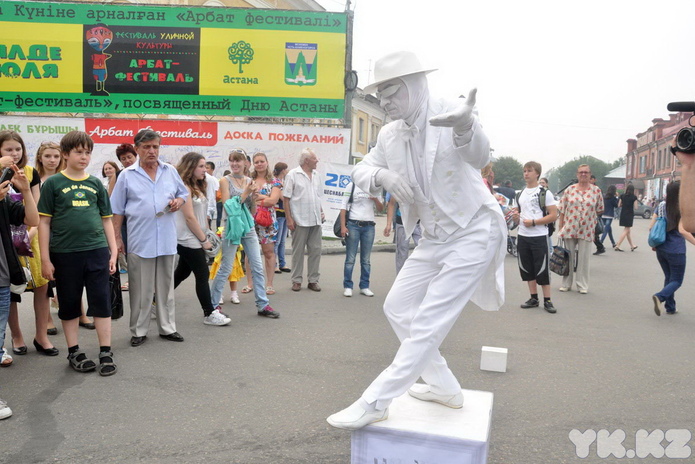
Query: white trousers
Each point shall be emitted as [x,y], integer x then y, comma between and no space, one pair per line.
[427,297]
[145,277]
[581,276]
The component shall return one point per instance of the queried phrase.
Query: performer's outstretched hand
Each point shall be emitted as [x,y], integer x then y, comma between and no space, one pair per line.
[395,184]
[461,119]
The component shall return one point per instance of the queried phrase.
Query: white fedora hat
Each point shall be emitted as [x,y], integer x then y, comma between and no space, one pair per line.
[395,65]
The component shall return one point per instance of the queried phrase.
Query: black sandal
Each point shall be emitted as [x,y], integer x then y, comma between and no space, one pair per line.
[80,362]
[106,364]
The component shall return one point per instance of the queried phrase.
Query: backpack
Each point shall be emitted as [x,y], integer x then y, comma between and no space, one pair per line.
[542,192]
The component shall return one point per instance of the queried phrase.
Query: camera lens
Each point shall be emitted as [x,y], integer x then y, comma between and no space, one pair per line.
[685,140]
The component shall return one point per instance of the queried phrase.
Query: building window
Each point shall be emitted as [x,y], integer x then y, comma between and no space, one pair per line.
[360,132]
[642,164]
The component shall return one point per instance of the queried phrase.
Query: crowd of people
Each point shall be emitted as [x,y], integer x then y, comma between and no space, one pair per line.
[65,232]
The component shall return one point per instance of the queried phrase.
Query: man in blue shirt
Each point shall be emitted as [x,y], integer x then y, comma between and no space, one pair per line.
[146,194]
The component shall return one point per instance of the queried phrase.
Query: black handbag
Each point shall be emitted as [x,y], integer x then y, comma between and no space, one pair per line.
[116,295]
[336,225]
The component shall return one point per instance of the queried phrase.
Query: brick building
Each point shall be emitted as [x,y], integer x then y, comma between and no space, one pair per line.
[650,164]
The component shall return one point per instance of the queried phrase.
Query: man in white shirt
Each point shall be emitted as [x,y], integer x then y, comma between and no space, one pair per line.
[532,240]
[357,228]
[302,200]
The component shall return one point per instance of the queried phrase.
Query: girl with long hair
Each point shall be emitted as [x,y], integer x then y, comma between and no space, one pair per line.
[49,162]
[13,151]
[238,185]
[191,233]
[628,203]
[610,203]
[269,191]
[671,253]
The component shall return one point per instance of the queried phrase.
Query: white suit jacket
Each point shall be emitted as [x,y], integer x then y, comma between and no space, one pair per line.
[455,182]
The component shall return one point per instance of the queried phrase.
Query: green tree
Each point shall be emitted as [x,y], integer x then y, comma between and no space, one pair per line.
[567,172]
[240,53]
[508,168]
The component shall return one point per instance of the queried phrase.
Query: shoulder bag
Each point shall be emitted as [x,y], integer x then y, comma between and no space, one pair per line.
[657,234]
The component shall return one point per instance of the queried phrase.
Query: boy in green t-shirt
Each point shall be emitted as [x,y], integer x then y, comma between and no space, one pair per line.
[76,228]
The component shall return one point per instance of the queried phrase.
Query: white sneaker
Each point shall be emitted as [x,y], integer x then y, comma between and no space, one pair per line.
[422,392]
[355,417]
[221,300]
[234,298]
[366,292]
[5,410]
[216,318]
[347,292]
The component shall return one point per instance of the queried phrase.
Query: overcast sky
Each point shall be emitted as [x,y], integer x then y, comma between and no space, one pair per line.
[556,79]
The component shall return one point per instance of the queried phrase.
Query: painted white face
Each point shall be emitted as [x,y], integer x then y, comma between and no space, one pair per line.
[393,98]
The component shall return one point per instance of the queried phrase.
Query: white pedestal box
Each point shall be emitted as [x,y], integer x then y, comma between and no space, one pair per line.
[493,359]
[426,433]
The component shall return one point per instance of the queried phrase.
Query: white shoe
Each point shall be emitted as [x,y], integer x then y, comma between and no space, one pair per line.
[5,410]
[221,300]
[347,292]
[583,292]
[366,292]
[216,318]
[234,298]
[355,417]
[564,289]
[422,392]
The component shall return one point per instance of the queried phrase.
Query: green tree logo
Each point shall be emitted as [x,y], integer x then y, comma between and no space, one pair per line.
[240,53]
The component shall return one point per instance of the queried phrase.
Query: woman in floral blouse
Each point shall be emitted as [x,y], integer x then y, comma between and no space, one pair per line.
[580,207]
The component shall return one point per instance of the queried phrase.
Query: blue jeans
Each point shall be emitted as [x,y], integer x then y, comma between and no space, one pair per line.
[280,241]
[673,265]
[253,252]
[362,234]
[4,314]
[607,230]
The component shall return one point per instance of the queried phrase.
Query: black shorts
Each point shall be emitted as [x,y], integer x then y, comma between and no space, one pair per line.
[533,259]
[83,269]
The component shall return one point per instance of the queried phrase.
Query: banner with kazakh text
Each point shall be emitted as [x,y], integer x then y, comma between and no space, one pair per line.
[120,58]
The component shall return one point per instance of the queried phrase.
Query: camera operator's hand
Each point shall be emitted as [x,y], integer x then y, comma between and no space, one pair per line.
[686,159]
[461,119]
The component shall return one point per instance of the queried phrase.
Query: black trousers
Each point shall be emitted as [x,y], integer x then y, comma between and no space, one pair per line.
[532,254]
[194,260]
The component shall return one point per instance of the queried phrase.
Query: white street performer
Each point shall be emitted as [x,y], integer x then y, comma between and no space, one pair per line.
[430,159]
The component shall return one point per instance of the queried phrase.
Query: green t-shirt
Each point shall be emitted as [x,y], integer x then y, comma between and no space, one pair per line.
[76,208]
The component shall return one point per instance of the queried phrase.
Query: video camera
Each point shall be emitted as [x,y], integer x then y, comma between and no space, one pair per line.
[685,139]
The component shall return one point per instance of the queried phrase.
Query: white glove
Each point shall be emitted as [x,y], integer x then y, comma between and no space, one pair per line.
[394,184]
[461,119]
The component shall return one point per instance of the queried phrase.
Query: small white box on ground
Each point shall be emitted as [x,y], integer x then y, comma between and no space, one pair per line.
[426,432]
[493,359]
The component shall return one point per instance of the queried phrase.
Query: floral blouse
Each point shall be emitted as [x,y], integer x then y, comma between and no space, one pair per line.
[581,210]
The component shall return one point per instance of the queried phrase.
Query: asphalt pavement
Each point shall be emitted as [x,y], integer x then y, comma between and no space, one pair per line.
[259,390]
